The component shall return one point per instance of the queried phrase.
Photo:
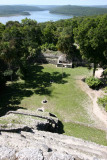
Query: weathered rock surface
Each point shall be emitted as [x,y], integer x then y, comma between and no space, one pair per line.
[7,153]
[48,146]
[30,154]
[48,57]
[59,156]
[22,138]
[16,121]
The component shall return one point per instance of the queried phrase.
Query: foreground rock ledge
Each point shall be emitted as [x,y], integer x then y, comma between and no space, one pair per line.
[24,136]
[41,145]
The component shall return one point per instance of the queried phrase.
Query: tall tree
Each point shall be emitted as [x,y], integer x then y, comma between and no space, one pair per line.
[31,37]
[66,43]
[91,36]
[11,46]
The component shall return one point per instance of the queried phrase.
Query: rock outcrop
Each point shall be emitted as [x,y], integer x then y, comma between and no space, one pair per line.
[41,145]
[16,121]
[25,141]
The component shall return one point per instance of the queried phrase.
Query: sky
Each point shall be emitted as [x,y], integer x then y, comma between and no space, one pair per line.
[54,2]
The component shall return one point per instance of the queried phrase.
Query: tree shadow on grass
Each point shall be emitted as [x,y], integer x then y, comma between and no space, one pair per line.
[11,97]
[35,82]
[41,81]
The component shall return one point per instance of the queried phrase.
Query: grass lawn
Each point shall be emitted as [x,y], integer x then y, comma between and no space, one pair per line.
[65,98]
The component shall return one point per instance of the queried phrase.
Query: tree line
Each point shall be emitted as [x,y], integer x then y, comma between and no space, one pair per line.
[79,10]
[10,10]
[20,43]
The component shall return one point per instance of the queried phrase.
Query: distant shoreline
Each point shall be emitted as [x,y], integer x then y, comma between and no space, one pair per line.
[17,10]
[17,14]
[28,14]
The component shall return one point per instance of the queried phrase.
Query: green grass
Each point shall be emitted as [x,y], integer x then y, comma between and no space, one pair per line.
[86,133]
[65,98]
[102,101]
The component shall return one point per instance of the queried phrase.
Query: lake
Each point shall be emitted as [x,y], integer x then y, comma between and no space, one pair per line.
[39,16]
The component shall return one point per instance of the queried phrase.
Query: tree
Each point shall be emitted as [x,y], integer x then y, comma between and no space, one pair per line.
[49,33]
[11,46]
[2,28]
[66,43]
[31,34]
[3,67]
[91,36]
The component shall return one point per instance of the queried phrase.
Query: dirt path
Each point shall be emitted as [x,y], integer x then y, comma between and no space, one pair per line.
[98,73]
[99,115]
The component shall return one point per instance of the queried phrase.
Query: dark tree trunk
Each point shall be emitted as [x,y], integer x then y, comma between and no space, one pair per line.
[94,69]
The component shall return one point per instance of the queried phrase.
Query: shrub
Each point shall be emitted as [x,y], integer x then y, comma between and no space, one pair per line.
[105,74]
[50,46]
[93,82]
[8,73]
[103,102]
[105,89]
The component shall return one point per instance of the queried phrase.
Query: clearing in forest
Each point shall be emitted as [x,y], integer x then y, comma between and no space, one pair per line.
[64,95]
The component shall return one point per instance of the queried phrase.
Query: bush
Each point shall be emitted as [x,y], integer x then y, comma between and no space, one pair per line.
[105,74]
[105,89]
[93,82]
[103,102]
[8,73]
[50,46]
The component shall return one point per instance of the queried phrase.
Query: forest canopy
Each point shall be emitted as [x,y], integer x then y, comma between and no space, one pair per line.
[21,43]
[78,10]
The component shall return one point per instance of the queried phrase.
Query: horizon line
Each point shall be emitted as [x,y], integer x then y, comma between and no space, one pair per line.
[54,4]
